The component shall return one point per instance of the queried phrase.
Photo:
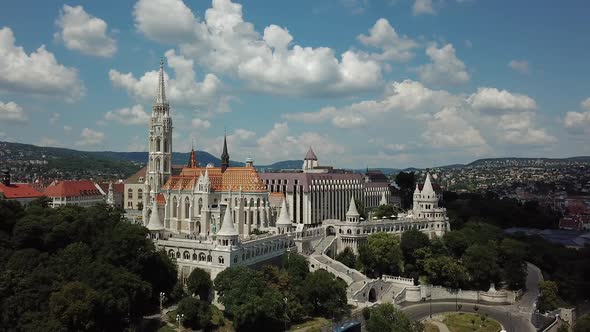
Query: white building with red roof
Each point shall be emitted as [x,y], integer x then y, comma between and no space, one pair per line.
[78,192]
[20,192]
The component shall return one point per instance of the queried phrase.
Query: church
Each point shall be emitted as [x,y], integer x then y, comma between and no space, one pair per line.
[194,201]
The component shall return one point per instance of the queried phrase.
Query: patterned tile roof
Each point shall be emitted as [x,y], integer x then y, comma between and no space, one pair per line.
[233,178]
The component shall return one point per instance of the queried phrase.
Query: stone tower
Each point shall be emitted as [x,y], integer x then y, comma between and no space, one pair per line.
[159,166]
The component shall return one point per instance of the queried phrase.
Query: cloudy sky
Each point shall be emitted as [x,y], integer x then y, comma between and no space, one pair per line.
[390,83]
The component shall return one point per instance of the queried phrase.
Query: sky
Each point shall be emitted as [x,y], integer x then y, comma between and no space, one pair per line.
[366,83]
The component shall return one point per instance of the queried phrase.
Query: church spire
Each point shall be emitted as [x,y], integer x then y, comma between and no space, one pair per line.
[161,92]
[224,155]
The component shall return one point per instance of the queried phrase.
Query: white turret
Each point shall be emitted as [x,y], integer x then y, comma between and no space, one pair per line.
[284,223]
[110,195]
[154,223]
[310,161]
[383,199]
[353,214]
[227,234]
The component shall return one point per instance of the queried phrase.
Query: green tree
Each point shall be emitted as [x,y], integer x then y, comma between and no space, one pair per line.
[75,306]
[445,271]
[360,207]
[457,242]
[381,255]
[582,324]
[197,313]
[406,183]
[296,266]
[347,257]
[482,266]
[387,318]
[512,260]
[326,294]
[384,211]
[548,298]
[199,283]
[248,299]
[411,241]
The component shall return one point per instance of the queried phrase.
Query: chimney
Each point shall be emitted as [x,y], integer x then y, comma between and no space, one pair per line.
[6,177]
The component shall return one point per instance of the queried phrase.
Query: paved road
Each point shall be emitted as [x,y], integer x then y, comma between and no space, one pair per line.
[528,299]
[512,321]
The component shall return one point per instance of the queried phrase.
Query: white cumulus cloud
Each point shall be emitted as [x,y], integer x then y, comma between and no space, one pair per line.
[89,137]
[423,7]
[577,122]
[445,67]
[383,36]
[12,112]
[134,115]
[493,99]
[269,62]
[521,66]
[83,32]
[585,104]
[200,124]
[182,90]
[38,73]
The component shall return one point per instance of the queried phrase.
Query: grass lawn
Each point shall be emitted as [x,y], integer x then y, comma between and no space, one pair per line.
[314,324]
[166,328]
[467,322]
[429,327]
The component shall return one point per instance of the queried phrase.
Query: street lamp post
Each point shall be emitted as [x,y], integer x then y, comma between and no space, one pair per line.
[179,319]
[162,297]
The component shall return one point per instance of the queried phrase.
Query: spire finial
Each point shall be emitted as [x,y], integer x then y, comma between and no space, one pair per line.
[161,93]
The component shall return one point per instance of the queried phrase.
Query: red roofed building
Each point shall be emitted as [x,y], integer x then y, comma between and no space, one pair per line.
[21,192]
[81,192]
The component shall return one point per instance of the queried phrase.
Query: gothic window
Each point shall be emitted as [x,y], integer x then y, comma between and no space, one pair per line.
[157,164]
[200,205]
[186,255]
[195,257]
[209,258]
[202,257]
[130,193]
[174,207]
[139,193]
[165,145]
[178,254]
[220,260]
[158,147]
[187,206]
[165,164]
[171,253]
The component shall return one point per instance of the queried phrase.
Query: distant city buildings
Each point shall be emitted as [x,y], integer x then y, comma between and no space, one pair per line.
[76,192]
[20,192]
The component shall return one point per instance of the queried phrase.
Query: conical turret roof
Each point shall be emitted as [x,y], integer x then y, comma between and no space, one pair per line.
[227,225]
[427,185]
[284,219]
[154,223]
[310,155]
[161,92]
[352,211]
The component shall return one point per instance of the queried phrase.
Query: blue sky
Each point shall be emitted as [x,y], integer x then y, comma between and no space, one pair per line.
[367,83]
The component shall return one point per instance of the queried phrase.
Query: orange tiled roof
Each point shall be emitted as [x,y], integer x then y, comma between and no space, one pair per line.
[160,199]
[14,191]
[233,178]
[72,188]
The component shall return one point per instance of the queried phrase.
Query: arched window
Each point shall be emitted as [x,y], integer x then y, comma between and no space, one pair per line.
[202,257]
[165,145]
[220,260]
[200,205]
[165,164]
[178,254]
[157,164]
[171,253]
[139,193]
[186,255]
[174,207]
[209,258]
[130,193]
[187,206]
[195,257]
[158,147]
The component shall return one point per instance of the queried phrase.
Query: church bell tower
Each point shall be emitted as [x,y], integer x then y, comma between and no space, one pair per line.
[159,166]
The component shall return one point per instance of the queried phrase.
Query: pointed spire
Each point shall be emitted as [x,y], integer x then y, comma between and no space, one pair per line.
[192,161]
[427,184]
[310,155]
[383,199]
[227,226]
[352,211]
[284,219]
[417,190]
[161,92]
[224,155]
[154,224]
